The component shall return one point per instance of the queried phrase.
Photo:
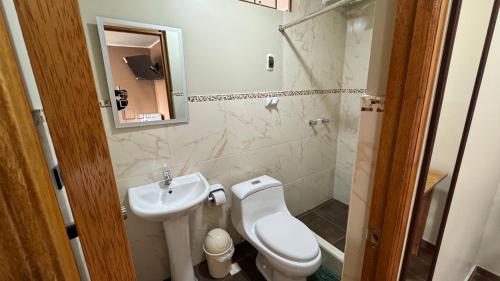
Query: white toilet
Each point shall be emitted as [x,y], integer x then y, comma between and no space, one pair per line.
[288,250]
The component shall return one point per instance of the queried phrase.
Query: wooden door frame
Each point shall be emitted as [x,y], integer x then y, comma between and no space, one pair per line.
[33,244]
[449,43]
[55,40]
[416,49]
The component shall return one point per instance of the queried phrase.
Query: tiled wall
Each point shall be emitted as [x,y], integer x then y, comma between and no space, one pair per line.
[229,141]
[313,51]
[369,130]
[359,209]
[355,75]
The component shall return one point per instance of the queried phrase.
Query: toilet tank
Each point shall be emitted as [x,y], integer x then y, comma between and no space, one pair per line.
[255,199]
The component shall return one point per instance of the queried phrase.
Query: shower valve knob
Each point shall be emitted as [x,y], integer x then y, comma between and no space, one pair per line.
[316,121]
[313,122]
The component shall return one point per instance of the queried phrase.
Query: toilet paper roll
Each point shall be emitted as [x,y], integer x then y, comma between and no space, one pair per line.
[219,197]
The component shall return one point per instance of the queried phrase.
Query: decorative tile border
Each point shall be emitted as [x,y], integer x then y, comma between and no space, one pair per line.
[372,103]
[258,95]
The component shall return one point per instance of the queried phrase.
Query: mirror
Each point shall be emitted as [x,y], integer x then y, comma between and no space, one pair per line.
[144,66]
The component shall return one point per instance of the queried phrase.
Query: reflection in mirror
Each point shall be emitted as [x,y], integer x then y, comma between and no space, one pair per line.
[145,72]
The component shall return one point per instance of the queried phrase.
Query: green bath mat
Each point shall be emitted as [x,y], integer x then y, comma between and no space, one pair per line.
[323,274]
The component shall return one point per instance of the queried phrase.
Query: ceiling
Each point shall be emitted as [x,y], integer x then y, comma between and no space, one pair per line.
[127,39]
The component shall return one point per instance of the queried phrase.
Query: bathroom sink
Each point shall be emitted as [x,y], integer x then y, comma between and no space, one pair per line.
[171,205]
[157,202]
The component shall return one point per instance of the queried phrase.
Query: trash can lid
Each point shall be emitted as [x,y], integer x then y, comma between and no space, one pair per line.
[217,241]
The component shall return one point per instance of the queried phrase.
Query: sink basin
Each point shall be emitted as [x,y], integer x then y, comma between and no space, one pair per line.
[156,202]
[171,205]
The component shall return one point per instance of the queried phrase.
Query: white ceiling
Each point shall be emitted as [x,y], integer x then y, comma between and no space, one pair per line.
[126,39]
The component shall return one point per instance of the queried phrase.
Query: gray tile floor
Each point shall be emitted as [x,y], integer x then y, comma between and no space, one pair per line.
[481,274]
[419,266]
[329,220]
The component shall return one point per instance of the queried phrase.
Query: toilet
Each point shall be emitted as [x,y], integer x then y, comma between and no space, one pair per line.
[288,250]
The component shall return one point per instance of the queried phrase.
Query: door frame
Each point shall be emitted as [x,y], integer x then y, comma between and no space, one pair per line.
[415,55]
[449,43]
[57,50]
[34,244]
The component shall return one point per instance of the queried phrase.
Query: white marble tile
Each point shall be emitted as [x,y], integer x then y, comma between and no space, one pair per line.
[250,125]
[370,125]
[316,189]
[149,249]
[203,138]
[293,197]
[359,22]
[309,192]
[359,25]
[314,50]
[346,146]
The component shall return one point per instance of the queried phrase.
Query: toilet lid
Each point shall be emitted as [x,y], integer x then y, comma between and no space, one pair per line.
[287,237]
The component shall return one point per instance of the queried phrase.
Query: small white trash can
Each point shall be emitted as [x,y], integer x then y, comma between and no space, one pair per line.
[219,249]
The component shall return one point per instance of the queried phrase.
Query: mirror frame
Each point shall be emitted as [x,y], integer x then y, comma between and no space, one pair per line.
[101,23]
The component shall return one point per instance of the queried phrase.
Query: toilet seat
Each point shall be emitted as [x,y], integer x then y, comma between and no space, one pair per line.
[287,237]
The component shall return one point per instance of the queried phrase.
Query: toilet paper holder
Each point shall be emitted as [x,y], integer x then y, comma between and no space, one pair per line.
[214,188]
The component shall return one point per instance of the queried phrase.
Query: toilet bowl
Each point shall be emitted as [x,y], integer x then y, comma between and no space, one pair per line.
[288,250]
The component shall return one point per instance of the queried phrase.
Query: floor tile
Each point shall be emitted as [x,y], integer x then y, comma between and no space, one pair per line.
[411,276]
[244,255]
[322,227]
[335,212]
[340,244]
[481,274]
[202,274]
[419,266]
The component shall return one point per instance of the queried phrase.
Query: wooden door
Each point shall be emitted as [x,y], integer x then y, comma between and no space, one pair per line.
[416,48]
[53,32]
[33,240]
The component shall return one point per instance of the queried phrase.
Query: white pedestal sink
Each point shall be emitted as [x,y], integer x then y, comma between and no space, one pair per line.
[171,205]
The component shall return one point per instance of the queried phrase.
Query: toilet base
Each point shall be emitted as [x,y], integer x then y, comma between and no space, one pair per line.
[269,273]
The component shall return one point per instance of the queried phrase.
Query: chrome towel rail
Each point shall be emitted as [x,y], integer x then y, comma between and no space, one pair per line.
[313,15]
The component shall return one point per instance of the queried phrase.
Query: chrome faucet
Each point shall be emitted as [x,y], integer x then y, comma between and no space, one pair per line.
[167,177]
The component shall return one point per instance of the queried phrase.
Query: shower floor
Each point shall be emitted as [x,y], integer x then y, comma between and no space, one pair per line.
[328,220]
